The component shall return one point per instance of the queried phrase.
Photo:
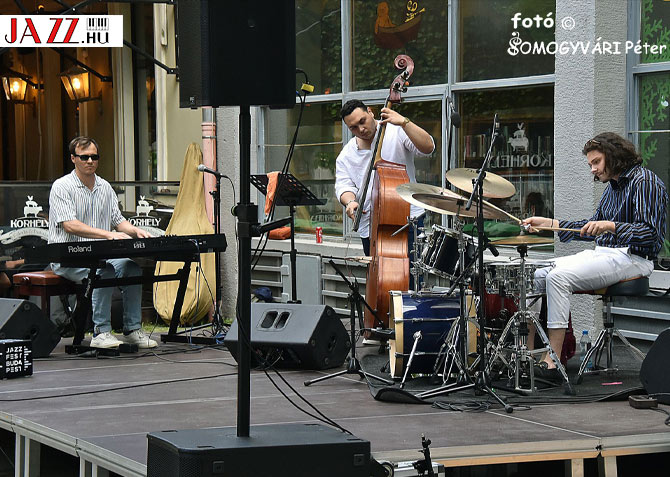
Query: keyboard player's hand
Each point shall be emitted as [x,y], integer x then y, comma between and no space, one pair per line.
[119,236]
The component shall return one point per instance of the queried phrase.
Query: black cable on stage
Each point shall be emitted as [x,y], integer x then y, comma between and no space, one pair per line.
[242,335]
[119,388]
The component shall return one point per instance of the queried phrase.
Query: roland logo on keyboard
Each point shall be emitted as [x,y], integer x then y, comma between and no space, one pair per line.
[78,248]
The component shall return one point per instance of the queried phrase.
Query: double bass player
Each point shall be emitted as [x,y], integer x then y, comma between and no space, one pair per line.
[404,140]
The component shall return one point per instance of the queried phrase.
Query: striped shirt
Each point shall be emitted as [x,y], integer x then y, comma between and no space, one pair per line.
[70,199]
[637,204]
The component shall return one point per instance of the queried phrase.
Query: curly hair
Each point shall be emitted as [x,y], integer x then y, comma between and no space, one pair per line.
[620,154]
[350,106]
[82,142]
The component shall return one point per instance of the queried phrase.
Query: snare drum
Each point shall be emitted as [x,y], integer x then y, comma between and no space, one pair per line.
[504,278]
[441,251]
[429,313]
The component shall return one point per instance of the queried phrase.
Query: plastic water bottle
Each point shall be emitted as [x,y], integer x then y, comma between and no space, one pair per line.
[584,346]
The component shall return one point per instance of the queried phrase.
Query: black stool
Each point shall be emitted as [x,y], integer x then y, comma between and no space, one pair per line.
[633,287]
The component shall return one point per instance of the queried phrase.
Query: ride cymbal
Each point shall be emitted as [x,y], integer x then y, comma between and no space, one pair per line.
[524,240]
[495,186]
[444,201]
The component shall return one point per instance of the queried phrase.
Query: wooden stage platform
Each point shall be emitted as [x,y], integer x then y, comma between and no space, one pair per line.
[90,417]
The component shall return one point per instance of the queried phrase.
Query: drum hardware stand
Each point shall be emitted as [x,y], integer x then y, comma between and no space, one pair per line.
[520,354]
[417,337]
[354,366]
[482,380]
[458,332]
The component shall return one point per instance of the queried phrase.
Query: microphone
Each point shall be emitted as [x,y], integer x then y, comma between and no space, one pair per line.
[492,248]
[204,168]
[454,117]
[498,140]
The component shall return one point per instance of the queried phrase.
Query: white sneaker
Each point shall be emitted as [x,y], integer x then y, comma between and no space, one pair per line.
[105,340]
[140,339]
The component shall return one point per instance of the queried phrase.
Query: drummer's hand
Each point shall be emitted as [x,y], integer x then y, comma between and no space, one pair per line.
[597,227]
[537,222]
[389,115]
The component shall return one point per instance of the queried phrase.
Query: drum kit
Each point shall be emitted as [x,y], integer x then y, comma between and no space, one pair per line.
[433,330]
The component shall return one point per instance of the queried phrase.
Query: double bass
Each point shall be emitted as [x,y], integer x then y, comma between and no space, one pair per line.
[389,266]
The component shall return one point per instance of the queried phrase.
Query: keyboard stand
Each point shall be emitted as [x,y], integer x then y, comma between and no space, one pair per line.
[93,281]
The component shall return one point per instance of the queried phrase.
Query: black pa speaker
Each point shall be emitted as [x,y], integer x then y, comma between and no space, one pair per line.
[293,336]
[654,372]
[23,320]
[275,450]
[236,52]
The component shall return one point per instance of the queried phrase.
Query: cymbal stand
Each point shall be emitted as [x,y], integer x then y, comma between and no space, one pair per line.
[482,380]
[354,366]
[520,356]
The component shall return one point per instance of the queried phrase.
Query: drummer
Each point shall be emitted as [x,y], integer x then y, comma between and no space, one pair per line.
[403,141]
[628,229]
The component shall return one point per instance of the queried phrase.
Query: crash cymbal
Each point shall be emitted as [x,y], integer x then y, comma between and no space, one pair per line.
[495,187]
[444,201]
[524,240]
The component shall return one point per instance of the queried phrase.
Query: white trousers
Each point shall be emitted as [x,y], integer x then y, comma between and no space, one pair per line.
[587,270]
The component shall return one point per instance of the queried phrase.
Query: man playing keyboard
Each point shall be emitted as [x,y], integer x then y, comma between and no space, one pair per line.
[83,206]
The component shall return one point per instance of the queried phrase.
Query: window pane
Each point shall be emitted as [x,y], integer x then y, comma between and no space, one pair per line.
[383,30]
[486,32]
[527,157]
[313,163]
[655,115]
[319,44]
[655,30]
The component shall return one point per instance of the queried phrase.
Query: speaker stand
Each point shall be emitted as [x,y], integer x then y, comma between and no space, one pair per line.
[354,366]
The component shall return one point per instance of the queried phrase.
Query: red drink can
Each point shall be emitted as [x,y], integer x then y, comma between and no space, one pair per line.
[319,235]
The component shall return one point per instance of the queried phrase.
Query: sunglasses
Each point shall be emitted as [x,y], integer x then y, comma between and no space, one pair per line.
[592,142]
[86,157]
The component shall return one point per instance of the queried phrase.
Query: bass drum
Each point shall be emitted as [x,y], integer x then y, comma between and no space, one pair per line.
[431,314]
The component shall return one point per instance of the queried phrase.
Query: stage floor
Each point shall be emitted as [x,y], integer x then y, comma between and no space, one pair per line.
[101,410]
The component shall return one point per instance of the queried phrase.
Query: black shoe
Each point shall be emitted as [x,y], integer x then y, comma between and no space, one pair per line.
[542,371]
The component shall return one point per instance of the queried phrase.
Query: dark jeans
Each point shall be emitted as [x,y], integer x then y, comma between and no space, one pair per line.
[410,244]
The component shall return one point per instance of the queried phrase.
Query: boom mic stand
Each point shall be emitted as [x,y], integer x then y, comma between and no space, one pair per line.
[354,366]
[482,381]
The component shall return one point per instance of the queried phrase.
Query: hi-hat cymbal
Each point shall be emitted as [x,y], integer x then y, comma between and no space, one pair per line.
[524,240]
[495,187]
[444,201]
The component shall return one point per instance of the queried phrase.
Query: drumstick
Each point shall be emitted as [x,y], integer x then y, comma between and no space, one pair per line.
[557,229]
[562,229]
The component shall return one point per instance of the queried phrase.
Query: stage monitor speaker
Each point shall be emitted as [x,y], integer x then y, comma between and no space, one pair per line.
[236,52]
[293,336]
[654,372]
[23,320]
[277,450]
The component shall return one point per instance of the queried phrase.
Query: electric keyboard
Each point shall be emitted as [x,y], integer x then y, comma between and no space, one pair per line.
[168,248]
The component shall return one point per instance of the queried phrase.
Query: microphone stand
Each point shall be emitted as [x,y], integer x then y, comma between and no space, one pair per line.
[216,196]
[483,381]
[354,366]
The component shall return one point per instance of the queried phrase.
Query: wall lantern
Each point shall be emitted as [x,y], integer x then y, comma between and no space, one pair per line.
[77,83]
[15,88]
[15,85]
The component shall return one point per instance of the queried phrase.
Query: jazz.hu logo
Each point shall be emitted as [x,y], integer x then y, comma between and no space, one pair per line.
[74,30]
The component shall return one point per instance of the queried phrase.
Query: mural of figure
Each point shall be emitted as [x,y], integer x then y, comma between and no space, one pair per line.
[383,19]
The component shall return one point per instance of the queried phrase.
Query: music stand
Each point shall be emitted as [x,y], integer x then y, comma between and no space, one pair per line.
[291,192]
